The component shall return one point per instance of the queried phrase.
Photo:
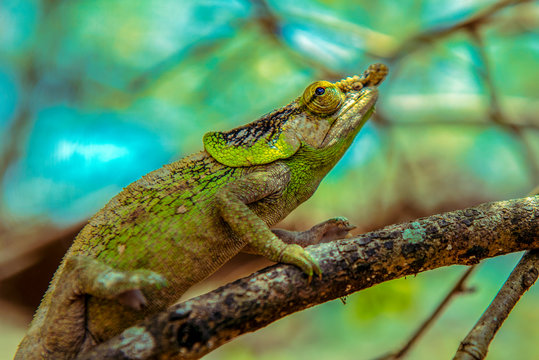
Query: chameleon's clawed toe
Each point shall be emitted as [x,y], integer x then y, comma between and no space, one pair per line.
[132,298]
[331,229]
[298,256]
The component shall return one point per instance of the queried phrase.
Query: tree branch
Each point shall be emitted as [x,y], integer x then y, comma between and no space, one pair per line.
[194,328]
[475,344]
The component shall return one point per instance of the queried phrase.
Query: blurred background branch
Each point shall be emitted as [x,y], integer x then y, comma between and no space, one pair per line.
[457,289]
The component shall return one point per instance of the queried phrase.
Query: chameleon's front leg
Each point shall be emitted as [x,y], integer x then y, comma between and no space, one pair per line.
[232,201]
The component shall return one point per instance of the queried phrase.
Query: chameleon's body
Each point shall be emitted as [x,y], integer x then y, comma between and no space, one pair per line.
[177,225]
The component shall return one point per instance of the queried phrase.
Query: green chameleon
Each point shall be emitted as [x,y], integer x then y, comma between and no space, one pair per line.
[178,224]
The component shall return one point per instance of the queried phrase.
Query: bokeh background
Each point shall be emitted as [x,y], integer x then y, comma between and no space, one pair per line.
[96,93]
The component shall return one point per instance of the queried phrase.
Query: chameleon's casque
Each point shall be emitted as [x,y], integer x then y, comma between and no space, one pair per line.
[177,225]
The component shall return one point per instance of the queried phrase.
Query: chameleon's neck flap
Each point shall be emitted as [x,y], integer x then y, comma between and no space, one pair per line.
[260,142]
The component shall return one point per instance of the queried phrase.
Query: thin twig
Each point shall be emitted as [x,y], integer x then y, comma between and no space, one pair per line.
[270,23]
[452,122]
[459,288]
[475,344]
[18,130]
[494,109]
[431,35]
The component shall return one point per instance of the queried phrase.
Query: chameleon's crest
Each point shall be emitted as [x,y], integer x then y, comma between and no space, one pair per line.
[260,142]
[373,76]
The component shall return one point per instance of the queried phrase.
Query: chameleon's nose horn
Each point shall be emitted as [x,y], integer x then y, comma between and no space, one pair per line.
[373,76]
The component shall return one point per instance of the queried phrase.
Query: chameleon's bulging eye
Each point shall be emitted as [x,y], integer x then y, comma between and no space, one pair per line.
[320,90]
[323,98]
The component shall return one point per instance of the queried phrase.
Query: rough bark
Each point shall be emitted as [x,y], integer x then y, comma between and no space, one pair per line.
[193,328]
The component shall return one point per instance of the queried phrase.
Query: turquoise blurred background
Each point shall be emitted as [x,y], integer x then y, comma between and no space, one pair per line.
[94,94]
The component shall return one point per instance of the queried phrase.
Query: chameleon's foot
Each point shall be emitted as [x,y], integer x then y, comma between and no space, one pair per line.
[125,286]
[132,298]
[92,277]
[329,230]
[296,255]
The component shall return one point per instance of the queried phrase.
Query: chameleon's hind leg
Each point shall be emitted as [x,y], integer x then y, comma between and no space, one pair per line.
[329,230]
[59,327]
[89,276]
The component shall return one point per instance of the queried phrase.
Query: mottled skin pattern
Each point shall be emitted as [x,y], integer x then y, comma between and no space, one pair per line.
[178,224]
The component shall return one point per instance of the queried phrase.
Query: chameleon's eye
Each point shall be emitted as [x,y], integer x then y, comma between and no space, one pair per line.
[323,98]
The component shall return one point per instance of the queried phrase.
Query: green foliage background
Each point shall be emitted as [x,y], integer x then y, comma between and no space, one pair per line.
[96,93]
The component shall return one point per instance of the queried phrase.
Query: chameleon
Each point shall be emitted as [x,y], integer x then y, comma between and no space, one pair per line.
[177,225]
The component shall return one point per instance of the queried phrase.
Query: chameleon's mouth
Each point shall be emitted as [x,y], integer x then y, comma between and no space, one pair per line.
[357,109]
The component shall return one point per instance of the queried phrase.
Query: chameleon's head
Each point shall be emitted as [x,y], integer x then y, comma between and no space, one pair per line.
[325,115]
[337,111]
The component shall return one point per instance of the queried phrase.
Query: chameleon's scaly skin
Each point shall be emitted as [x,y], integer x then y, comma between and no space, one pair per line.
[178,224]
